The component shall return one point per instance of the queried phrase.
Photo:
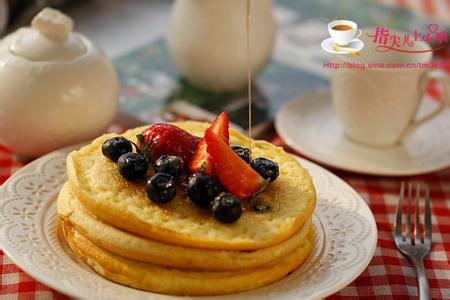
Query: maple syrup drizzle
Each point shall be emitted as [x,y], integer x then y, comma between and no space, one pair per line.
[249,73]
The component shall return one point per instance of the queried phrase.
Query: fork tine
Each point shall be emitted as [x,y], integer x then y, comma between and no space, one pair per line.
[399,212]
[427,238]
[417,251]
[408,215]
[417,221]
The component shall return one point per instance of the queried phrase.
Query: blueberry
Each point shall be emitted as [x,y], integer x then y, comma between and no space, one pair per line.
[169,164]
[202,189]
[161,188]
[266,168]
[132,166]
[115,147]
[227,208]
[243,153]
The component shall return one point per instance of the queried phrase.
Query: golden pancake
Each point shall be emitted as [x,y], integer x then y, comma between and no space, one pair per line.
[174,281]
[96,183]
[125,244]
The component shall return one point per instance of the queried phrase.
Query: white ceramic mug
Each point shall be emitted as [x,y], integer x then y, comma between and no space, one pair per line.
[377,106]
[343,37]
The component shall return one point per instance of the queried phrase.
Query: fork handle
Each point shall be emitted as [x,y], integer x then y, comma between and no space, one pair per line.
[424,290]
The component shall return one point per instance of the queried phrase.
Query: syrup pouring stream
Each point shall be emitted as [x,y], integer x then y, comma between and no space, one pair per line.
[249,73]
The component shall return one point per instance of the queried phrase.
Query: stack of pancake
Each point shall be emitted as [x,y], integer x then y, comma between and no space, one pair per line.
[178,248]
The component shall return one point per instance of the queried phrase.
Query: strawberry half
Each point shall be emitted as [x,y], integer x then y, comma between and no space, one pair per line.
[201,161]
[163,138]
[234,173]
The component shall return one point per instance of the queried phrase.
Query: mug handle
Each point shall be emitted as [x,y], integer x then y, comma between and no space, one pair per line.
[358,34]
[444,80]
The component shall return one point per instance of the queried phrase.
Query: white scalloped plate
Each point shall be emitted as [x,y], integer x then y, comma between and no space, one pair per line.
[345,241]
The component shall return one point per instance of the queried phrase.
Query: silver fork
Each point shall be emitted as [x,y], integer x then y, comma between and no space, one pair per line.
[414,247]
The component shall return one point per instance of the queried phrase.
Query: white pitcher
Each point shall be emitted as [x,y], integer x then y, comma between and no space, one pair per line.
[207,40]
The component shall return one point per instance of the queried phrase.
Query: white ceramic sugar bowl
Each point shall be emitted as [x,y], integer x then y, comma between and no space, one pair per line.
[56,87]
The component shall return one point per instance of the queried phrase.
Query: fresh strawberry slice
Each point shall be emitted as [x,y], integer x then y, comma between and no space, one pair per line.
[163,138]
[200,161]
[234,173]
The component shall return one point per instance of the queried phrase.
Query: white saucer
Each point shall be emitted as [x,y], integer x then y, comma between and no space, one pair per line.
[309,125]
[355,45]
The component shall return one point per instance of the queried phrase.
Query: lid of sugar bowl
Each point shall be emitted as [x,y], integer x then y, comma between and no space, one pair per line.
[50,38]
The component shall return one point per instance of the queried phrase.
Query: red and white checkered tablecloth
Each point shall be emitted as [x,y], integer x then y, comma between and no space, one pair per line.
[388,276]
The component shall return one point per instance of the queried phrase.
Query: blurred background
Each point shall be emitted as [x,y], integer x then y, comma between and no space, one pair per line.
[132,34]
[117,26]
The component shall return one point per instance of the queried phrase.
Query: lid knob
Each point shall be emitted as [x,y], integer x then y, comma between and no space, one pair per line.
[50,38]
[53,24]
